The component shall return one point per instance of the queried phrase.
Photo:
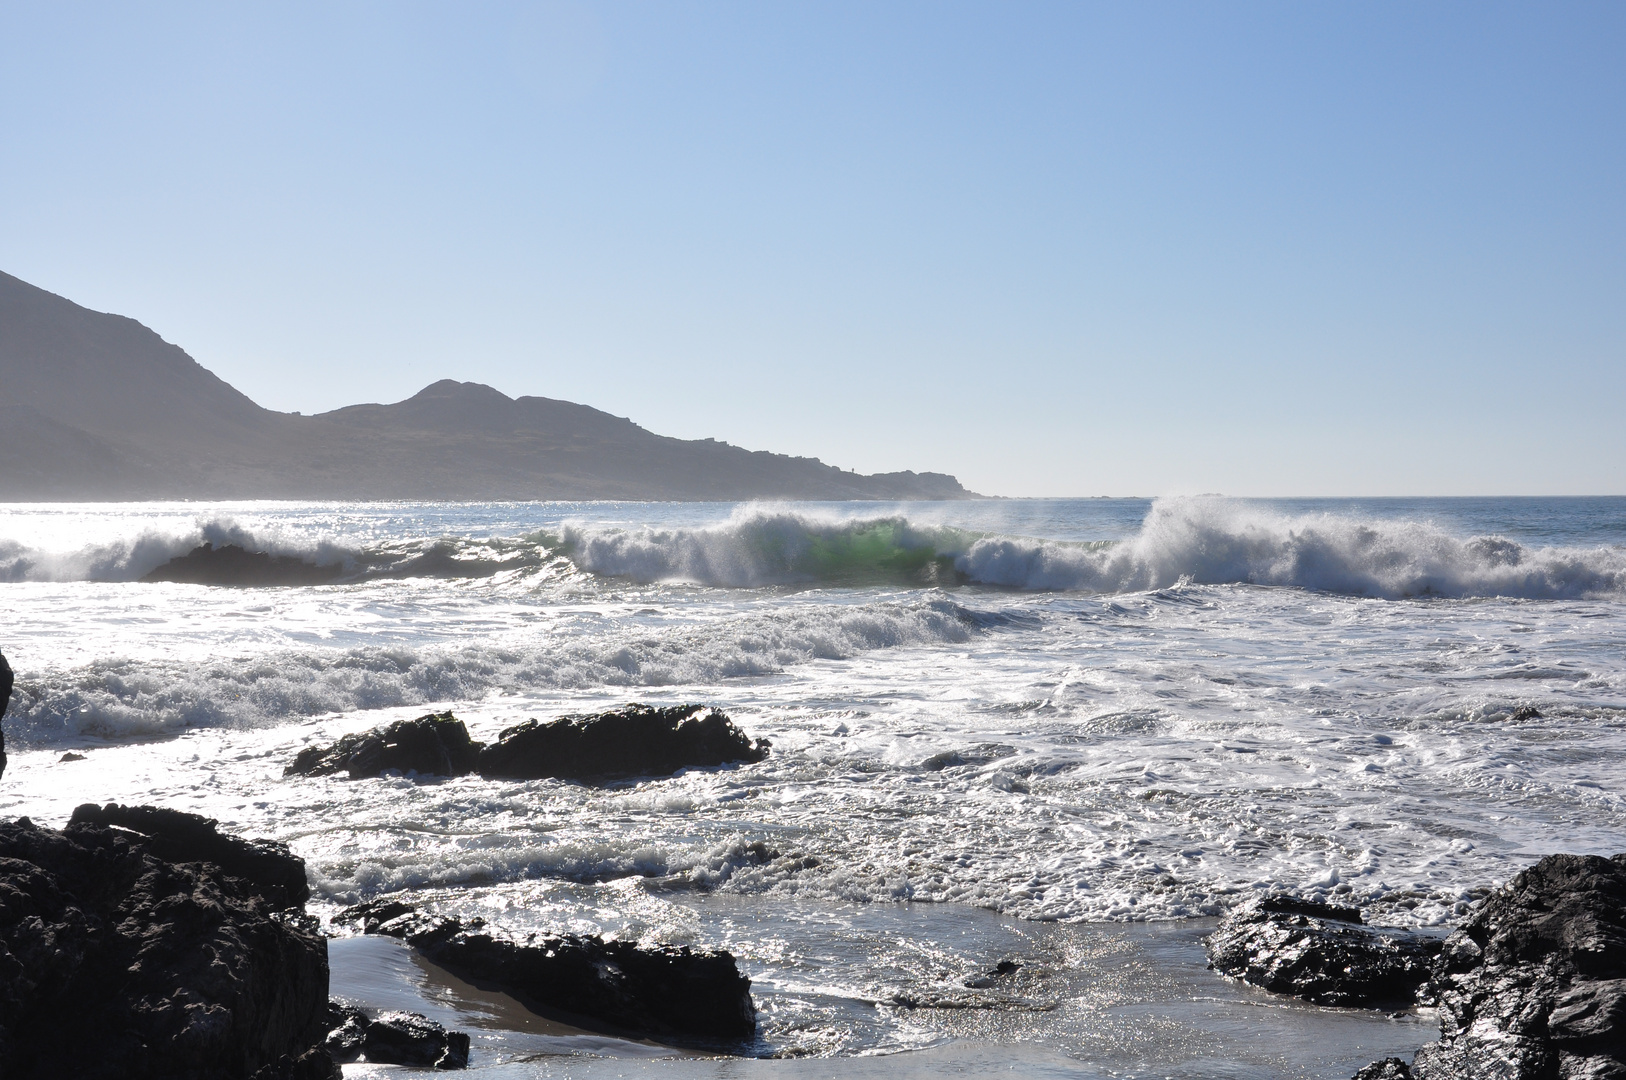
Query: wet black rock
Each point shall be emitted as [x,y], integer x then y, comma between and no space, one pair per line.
[433,745]
[263,867]
[117,962]
[671,993]
[1320,952]
[5,699]
[639,740]
[1388,1069]
[69,756]
[230,564]
[371,915]
[395,1038]
[1533,985]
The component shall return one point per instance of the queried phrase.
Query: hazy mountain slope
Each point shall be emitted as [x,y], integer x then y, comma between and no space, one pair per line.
[96,406]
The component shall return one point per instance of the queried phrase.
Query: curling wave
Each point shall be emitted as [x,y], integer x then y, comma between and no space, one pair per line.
[1208,541]
[134,558]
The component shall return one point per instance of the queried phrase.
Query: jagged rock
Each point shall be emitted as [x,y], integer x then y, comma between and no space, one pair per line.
[639,740]
[1533,985]
[1319,952]
[372,914]
[117,963]
[671,993]
[265,866]
[395,1038]
[5,699]
[433,745]
[1387,1069]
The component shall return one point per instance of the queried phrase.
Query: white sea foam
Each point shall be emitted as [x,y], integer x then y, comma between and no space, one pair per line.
[1202,540]
[120,698]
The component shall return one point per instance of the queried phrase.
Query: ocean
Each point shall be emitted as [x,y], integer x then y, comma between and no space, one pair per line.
[1064,733]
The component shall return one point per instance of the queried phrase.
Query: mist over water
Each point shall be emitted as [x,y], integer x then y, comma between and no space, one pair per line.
[1080,711]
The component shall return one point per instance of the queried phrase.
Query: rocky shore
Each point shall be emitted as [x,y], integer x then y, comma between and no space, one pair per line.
[1531,987]
[142,942]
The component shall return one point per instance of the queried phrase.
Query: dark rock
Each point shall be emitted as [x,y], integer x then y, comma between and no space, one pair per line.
[347,1034]
[371,915]
[314,1064]
[433,745]
[638,740]
[69,756]
[1319,952]
[395,1038]
[265,866]
[230,564]
[5,699]
[116,962]
[1533,985]
[671,993]
[1387,1069]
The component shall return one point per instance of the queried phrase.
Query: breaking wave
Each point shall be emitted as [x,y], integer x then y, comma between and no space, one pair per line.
[1209,541]
[1206,541]
[133,558]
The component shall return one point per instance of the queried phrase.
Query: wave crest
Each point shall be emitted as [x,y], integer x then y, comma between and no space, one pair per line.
[1208,541]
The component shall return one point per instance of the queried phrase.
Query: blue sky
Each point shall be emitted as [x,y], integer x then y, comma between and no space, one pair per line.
[1055,249]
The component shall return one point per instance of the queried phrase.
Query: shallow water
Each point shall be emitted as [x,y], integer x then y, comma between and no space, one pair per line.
[1082,712]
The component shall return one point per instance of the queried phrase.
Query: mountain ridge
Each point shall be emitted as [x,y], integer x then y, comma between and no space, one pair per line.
[97,406]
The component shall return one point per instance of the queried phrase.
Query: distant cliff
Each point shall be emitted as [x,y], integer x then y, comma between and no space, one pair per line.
[96,406]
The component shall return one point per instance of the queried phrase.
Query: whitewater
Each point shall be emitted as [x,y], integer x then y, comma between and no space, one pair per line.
[1055,729]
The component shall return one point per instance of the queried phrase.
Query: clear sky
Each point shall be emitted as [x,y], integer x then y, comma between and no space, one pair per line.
[1055,249]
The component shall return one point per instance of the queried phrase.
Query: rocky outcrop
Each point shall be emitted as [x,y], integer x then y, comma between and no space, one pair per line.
[1533,985]
[1320,952]
[5,699]
[433,745]
[118,962]
[395,1038]
[639,740]
[670,993]
[230,564]
[264,867]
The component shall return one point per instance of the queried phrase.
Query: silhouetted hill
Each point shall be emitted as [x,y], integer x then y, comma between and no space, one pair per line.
[96,406]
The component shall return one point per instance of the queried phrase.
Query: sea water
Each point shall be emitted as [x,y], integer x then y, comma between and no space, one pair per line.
[1001,730]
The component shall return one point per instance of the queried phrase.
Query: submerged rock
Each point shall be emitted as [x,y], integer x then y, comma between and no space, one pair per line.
[119,962]
[395,1038]
[1320,952]
[433,745]
[671,993]
[230,564]
[1533,985]
[5,699]
[264,867]
[639,740]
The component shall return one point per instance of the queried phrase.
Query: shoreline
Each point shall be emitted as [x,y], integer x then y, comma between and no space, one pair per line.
[1136,1000]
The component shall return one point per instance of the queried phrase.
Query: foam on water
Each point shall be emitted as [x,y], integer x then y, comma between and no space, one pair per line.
[1202,540]
[1051,712]
[119,697]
